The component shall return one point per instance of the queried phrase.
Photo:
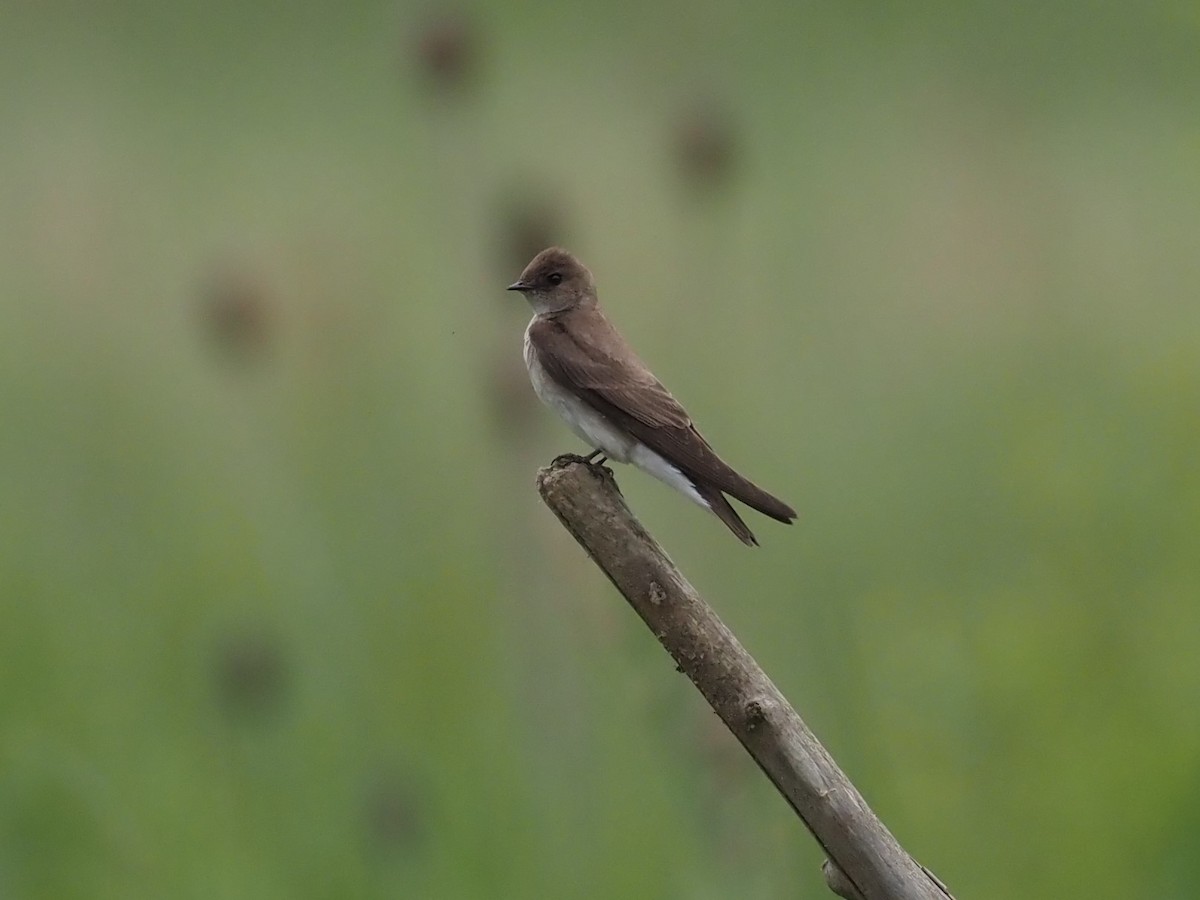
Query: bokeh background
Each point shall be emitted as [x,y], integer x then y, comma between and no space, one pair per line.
[280,613]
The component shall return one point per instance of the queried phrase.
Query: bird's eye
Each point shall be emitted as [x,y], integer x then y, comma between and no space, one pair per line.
[554,278]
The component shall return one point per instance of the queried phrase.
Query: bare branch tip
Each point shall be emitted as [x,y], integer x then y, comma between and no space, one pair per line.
[567,465]
[586,499]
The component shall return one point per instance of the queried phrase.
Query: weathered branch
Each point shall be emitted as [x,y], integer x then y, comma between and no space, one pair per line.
[864,860]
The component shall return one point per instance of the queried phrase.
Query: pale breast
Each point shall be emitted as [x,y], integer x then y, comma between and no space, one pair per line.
[593,429]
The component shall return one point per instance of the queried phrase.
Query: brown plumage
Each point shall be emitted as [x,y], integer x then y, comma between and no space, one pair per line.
[575,355]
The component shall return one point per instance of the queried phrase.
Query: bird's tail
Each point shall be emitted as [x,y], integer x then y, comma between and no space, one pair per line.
[755,497]
[716,501]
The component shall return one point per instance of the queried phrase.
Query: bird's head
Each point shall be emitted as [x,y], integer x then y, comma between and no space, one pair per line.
[555,281]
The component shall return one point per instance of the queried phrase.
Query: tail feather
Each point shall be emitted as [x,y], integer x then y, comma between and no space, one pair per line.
[720,506]
[752,495]
[729,481]
[756,498]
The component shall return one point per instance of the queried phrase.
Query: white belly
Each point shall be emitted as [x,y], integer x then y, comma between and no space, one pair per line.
[599,433]
[595,430]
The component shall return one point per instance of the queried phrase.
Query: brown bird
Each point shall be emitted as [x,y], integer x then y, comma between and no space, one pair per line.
[585,371]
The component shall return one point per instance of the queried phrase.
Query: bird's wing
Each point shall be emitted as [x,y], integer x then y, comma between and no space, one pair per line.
[592,358]
[586,355]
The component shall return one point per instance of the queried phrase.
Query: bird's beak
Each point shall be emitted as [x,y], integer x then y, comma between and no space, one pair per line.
[521,286]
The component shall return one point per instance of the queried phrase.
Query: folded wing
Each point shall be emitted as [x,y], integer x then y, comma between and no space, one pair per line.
[591,358]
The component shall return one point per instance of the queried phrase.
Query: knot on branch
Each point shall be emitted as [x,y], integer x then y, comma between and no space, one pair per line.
[756,715]
[657,594]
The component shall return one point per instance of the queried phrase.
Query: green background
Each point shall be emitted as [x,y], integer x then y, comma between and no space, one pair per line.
[280,613]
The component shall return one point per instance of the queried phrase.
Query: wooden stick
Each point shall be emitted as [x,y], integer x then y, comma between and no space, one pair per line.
[865,862]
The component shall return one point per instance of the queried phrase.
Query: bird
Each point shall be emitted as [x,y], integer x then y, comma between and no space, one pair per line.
[584,370]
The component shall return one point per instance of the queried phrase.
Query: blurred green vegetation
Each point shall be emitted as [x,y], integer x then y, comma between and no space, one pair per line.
[281,614]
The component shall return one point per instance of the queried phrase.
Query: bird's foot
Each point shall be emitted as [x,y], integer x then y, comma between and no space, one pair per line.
[596,465]
[565,459]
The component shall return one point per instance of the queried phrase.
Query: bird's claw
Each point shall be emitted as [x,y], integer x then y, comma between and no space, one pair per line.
[564,459]
[599,467]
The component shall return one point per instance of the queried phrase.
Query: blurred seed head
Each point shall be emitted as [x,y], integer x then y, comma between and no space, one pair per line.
[394,812]
[705,147]
[236,310]
[526,224]
[249,672]
[512,403]
[447,51]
